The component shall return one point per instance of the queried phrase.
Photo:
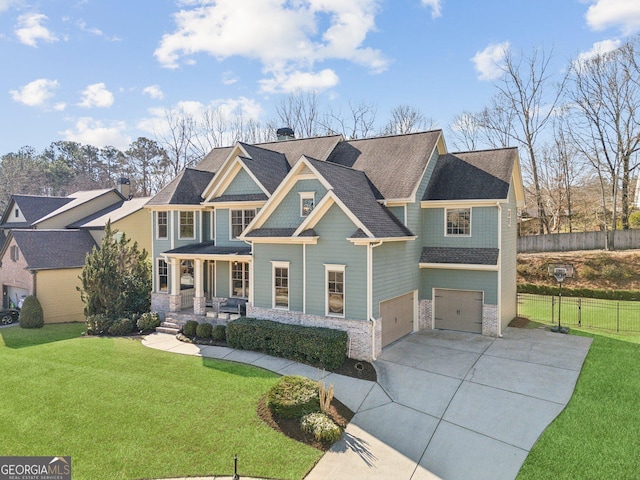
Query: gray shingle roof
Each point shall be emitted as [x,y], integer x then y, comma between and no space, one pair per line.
[185,189]
[53,249]
[208,248]
[34,207]
[267,166]
[316,147]
[394,164]
[271,232]
[248,197]
[467,256]
[481,175]
[355,190]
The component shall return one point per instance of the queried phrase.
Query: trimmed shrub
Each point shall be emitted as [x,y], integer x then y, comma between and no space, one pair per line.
[321,427]
[319,347]
[189,328]
[98,324]
[293,396]
[632,295]
[203,330]
[122,326]
[219,333]
[148,322]
[31,315]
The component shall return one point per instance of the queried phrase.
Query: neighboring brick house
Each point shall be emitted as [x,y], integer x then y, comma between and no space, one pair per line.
[46,239]
[379,237]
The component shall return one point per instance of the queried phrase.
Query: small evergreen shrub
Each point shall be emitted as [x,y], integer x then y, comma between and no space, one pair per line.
[189,328]
[148,322]
[122,326]
[203,330]
[633,295]
[219,333]
[31,315]
[293,396]
[321,427]
[98,324]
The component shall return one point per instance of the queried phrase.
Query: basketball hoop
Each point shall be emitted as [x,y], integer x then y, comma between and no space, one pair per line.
[560,271]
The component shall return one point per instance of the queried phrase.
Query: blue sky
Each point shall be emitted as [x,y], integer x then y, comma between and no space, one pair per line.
[102,72]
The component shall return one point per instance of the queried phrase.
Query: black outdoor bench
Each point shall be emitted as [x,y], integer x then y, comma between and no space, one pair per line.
[233,305]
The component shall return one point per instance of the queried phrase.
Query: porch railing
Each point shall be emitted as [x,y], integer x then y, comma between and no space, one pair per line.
[187,298]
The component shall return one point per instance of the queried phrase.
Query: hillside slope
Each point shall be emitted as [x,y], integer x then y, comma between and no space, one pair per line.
[597,269]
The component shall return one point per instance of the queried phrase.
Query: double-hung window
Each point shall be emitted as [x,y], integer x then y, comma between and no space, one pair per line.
[240,219]
[334,275]
[458,222]
[163,276]
[307,202]
[281,285]
[162,225]
[240,279]
[187,225]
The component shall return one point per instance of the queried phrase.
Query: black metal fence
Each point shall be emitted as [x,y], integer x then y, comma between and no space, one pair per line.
[610,315]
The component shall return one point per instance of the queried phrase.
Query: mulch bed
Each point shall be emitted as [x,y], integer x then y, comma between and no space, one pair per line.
[290,427]
[519,322]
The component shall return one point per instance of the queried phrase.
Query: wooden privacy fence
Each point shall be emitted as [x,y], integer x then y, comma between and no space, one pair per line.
[589,313]
[567,242]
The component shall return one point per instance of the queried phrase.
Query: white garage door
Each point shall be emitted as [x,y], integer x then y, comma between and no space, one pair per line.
[397,318]
[458,310]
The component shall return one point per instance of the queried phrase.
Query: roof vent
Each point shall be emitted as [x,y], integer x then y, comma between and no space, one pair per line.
[285,133]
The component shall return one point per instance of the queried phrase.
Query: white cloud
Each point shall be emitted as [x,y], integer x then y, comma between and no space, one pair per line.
[30,30]
[82,25]
[94,132]
[436,7]
[228,78]
[623,14]
[488,62]
[299,81]
[7,4]
[153,91]
[298,35]
[35,93]
[96,95]
[599,48]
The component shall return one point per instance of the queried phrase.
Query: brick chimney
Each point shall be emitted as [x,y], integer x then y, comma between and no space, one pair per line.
[124,187]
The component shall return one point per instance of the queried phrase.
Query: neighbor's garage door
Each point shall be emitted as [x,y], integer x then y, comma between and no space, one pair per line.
[458,310]
[397,318]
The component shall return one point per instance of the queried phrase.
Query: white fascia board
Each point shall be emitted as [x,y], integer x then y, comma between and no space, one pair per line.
[253,177]
[366,241]
[442,150]
[237,205]
[460,266]
[211,189]
[195,256]
[175,208]
[460,203]
[282,240]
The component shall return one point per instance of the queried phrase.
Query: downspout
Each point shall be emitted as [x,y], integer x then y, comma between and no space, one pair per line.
[499,269]
[304,278]
[370,247]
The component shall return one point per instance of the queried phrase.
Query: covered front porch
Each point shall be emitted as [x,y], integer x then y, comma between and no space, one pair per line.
[202,277]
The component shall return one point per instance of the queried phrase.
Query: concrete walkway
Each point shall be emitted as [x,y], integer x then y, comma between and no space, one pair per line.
[447,405]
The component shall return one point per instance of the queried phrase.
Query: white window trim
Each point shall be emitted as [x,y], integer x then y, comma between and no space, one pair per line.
[307,196]
[329,267]
[446,210]
[508,217]
[275,265]
[212,227]
[157,276]
[231,237]
[180,237]
[158,237]
[231,292]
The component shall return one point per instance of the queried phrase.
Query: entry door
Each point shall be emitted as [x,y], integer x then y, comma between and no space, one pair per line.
[397,318]
[458,310]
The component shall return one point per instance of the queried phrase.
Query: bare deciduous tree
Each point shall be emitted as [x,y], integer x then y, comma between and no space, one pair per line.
[407,119]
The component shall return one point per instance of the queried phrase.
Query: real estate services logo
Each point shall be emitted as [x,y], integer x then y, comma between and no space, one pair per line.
[35,468]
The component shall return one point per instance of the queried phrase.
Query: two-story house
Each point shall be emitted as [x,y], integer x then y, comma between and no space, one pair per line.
[379,237]
[45,241]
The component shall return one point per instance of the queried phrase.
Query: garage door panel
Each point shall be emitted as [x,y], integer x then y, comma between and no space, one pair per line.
[397,318]
[458,310]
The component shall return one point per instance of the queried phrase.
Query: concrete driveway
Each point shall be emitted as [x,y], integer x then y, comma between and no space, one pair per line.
[454,405]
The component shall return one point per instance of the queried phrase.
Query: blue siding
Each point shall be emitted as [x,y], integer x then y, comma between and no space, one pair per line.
[333,248]
[242,184]
[508,261]
[223,274]
[395,271]
[264,254]
[398,212]
[461,280]
[287,214]
[484,229]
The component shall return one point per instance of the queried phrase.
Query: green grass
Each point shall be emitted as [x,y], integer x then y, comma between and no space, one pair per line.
[615,316]
[597,436]
[124,411]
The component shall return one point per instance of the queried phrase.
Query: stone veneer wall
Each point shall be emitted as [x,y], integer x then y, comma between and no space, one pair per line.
[359,331]
[489,318]
[160,303]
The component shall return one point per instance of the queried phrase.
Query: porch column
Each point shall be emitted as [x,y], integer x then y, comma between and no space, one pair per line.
[199,301]
[175,299]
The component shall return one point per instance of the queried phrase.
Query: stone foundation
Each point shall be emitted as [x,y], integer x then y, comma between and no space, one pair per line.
[359,331]
[425,316]
[199,305]
[175,303]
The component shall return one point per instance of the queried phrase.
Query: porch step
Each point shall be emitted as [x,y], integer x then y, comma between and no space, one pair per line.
[169,327]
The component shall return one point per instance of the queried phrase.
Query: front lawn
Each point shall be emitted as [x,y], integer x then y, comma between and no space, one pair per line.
[124,411]
[597,436]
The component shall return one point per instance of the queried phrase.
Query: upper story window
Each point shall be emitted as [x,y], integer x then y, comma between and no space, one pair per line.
[162,224]
[187,225]
[17,213]
[240,219]
[458,222]
[15,253]
[307,202]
